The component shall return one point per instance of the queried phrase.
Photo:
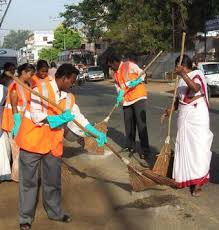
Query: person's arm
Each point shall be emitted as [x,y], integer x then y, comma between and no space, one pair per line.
[167,111]
[14,101]
[195,87]
[136,69]
[38,116]
[79,116]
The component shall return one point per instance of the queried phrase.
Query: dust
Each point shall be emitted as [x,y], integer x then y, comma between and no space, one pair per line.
[151,202]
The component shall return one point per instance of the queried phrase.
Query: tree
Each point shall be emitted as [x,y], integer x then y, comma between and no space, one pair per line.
[65,38]
[144,26]
[16,39]
[49,54]
[91,16]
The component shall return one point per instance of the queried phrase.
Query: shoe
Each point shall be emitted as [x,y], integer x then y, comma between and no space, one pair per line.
[144,154]
[130,151]
[25,226]
[64,219]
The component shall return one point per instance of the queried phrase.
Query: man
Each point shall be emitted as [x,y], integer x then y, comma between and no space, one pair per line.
[132,93]
[40,139]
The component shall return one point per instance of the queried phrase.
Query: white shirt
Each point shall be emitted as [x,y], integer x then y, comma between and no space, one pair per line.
[38,116]
[133,68]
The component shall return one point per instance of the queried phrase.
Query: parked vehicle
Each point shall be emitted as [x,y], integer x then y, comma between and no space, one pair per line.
[211,72]
[94,73]
[7,55]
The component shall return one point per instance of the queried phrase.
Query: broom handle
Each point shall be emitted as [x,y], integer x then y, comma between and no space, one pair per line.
[62,110]
[176,82]
[143,72]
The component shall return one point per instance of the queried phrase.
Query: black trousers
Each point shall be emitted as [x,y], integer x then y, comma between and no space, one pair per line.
[135,115]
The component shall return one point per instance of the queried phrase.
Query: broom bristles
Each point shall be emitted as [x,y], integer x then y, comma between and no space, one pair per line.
[162,163]
[138,182]
[141,178]
[90,143]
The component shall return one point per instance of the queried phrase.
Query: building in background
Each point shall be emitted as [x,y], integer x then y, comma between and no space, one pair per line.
[35,42]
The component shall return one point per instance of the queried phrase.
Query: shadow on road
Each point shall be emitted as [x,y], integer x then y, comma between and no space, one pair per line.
[214,169]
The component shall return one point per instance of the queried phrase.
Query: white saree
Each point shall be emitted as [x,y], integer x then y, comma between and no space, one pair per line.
[5,150]
[194,138]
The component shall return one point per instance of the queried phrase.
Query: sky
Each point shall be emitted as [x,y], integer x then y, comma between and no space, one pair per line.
[34,14]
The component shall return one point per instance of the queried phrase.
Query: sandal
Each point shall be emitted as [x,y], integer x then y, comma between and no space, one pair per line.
[25,226]
[197,192]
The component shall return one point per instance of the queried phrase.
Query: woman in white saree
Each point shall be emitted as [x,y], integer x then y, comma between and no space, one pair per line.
[194,138]
[5,151]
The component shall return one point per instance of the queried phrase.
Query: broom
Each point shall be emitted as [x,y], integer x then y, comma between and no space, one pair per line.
[90,143]
[140,177]
[163,159]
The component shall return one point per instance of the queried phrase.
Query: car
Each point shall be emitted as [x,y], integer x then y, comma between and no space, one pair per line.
[94,73]
[211,72]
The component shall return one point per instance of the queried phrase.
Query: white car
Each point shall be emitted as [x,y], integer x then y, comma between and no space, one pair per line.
[211,72]
[95,73]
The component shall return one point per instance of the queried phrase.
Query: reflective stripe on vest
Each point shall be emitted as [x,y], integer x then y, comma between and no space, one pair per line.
[45,94]
[123,76]
[68,101]
[42,139]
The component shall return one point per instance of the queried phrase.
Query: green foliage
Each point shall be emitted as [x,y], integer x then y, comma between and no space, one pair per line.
[49,54]
[143,26]
[91,16]
[15,39]
[66,38]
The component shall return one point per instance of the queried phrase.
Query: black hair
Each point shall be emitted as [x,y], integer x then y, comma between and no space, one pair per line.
[25,67]
[53,64]
[114,58]
[186,61]
[131,56]
[66,70]
[8,65]
[42,64]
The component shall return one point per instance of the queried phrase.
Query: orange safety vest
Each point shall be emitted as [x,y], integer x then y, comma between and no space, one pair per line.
[123,76]
[42,139]
[36,80]
[23,99]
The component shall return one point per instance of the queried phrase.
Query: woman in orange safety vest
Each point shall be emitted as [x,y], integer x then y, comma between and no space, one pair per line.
[16,102]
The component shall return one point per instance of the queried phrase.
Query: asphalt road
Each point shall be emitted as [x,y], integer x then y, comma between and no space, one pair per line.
[96,100]
[98,196]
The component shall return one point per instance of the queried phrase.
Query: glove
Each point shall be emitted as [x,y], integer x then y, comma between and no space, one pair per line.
[119,98]
[135,82]
[58,120]
[17,123]
[101,137]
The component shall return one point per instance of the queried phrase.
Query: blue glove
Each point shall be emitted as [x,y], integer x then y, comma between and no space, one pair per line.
[58,120]
[101,137]
[135,82]
[119,98]
[17,123]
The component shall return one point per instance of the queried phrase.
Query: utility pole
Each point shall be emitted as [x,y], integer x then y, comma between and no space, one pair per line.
[173,28]
[7,3]
[64,43]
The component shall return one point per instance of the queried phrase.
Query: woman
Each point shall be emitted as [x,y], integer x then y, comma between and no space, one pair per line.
[42,69]
[5,151]
[194,138]
[16,102]
[52,69]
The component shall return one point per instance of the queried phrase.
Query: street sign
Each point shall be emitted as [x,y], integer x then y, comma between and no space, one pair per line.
[213,24]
